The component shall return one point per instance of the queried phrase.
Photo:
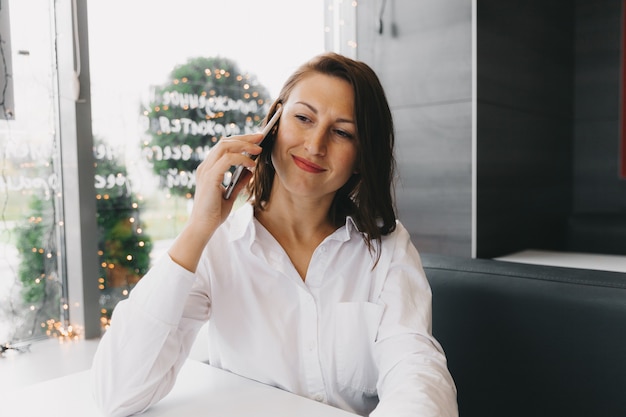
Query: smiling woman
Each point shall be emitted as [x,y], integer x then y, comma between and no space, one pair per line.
[312,285]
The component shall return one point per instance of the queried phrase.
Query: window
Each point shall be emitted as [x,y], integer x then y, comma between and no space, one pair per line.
[146,114]
[33,300]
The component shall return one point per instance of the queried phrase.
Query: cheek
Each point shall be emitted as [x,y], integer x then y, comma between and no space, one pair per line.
[349,160]
[281,144]
[283,139]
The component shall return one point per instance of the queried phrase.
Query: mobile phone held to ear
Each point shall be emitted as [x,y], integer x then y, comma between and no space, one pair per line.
[239,169]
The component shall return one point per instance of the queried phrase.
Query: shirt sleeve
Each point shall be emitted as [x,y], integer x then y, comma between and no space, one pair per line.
[149,339]
[414,379]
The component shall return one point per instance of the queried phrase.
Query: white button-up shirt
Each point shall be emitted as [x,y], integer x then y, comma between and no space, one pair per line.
[350,335]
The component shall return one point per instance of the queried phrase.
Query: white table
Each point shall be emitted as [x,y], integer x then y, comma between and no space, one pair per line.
[200,390]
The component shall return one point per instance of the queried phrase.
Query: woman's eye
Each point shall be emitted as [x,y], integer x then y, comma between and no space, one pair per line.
[302,118]
[344,134]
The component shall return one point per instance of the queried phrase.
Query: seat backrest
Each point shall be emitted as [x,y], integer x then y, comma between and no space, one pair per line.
[530,340]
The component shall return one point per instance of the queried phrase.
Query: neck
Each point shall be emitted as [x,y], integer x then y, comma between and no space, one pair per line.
[296,222]
[296,215]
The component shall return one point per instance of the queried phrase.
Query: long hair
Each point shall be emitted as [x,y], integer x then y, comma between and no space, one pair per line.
[368,195]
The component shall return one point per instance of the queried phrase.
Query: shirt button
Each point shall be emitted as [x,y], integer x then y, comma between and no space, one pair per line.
[323,249]
[319,397]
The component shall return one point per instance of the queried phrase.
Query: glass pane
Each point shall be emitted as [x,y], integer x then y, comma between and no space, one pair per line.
[168,81]
[31,254]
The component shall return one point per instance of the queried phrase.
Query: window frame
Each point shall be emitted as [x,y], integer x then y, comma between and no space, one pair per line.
[77,166]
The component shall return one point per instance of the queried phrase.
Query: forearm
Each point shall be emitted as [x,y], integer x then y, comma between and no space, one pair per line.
[187,248]
[414,379]
[210,208]
[126,380]
[141,353]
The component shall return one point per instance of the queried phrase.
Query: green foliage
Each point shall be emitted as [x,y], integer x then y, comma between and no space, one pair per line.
[122,242]
[203,100]
[36,241]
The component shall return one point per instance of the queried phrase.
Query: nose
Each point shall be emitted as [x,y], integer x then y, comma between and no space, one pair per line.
[315,143]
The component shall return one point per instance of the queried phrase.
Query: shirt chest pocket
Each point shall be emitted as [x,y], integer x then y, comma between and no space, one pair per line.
[356,326]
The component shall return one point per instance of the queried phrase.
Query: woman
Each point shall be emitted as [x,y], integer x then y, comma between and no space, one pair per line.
[312,286]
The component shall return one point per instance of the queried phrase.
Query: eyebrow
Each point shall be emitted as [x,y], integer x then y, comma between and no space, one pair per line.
[314,110]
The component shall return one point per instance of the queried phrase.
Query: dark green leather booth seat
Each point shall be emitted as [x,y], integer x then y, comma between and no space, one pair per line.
[531,341]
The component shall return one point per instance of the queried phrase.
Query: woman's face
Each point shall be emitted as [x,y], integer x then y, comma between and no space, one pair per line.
[316,146]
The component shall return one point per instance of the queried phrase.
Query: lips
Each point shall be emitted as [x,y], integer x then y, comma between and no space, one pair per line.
[307,166]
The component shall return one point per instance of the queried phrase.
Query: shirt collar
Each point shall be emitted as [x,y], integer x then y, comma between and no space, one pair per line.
[242,224]
[344,233]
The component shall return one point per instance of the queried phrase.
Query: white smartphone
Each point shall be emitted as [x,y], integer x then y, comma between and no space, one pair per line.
[239,169]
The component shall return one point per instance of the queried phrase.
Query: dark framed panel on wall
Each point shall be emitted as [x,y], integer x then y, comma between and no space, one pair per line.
[622,151]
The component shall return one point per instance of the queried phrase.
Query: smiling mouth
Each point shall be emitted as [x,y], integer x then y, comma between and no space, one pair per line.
[307,166]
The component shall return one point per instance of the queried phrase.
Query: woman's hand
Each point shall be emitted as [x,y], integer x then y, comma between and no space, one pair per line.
[210,208]
[209,203]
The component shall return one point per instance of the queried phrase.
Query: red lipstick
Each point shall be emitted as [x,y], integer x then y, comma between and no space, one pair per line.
[307,166]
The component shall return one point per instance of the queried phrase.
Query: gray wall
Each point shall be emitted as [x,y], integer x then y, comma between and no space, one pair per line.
[423,58]
[547,121]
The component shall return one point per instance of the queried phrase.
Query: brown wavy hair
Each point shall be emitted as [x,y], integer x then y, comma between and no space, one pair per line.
[368,196]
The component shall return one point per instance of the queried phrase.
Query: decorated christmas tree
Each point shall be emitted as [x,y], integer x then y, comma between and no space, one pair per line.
[203,100]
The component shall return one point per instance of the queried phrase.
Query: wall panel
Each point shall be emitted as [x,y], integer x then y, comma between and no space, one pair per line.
[525,105]
[423,58]
[597,186]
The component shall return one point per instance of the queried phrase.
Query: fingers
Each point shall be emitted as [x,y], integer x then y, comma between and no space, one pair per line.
[210,207]
[232,151]
[240,144]
[228,152]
